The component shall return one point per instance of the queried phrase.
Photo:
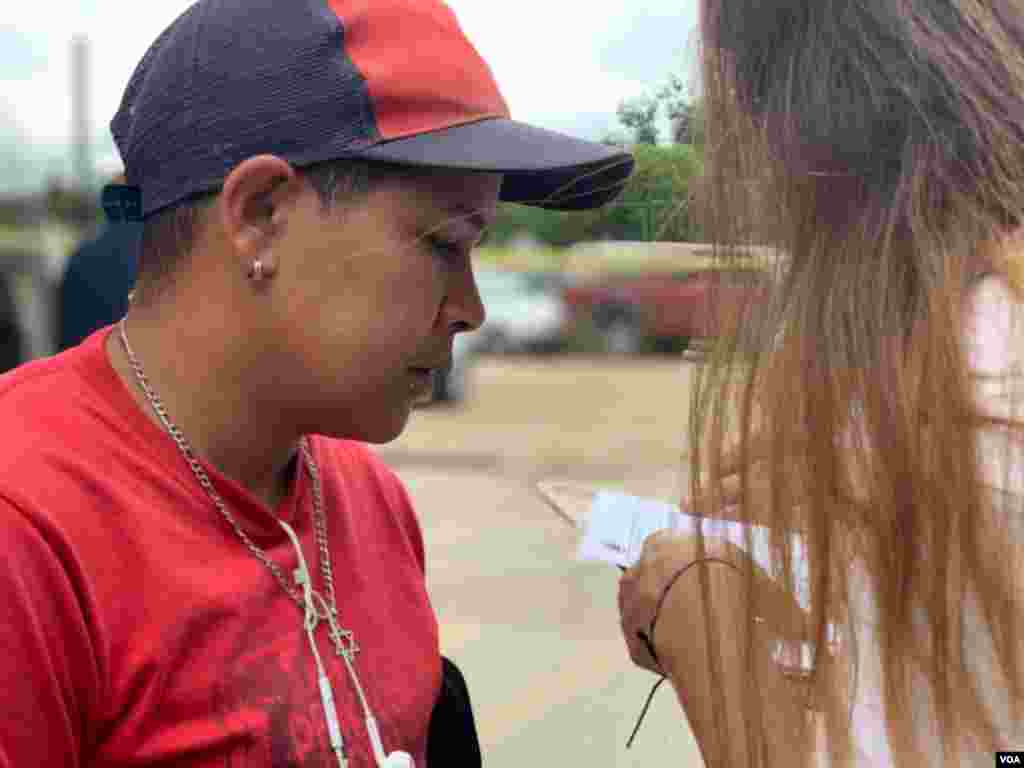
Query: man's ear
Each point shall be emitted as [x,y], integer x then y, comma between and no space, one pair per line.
[251,194]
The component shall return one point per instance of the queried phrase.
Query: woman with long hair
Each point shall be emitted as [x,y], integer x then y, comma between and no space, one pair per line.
[869,415]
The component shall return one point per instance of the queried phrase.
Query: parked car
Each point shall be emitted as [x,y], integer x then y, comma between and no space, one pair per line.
[526,312]
[628,309]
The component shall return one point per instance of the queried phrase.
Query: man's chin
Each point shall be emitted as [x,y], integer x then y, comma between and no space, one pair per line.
[380,433]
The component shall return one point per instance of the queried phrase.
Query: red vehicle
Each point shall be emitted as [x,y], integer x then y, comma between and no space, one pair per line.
[629,309]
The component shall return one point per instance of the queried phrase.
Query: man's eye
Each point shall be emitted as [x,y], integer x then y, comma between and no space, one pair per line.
[448,250]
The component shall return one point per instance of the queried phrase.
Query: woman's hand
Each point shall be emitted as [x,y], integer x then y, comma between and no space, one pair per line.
[641,587]
[664,555]
[681,641]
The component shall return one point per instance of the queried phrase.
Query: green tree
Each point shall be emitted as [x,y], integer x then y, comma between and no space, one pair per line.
[685,113]
[513,220]
[655,203]
[688,125]
[673,95]
[640,116]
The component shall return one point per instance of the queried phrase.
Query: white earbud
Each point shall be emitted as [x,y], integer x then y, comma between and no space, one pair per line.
[313,616]
[395,759]
[398,760]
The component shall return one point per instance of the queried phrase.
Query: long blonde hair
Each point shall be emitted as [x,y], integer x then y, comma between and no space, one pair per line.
[878,146]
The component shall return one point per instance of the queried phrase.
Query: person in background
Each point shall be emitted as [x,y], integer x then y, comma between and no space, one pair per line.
[879,145]
[205,563]
[12,341]
[99,275]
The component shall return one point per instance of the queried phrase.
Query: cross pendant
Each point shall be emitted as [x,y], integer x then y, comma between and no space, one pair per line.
[343,639]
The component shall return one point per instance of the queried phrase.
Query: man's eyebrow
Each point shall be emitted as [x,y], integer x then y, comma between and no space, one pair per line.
[472,215]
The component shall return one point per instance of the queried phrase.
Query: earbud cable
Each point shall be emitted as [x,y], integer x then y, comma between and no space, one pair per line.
[311,619]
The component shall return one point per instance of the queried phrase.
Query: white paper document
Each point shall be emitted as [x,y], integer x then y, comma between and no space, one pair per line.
[618,524]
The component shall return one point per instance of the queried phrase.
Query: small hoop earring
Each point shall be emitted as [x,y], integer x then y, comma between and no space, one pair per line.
[256,270]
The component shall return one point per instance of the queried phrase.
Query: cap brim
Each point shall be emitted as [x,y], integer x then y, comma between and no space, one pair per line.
[541,168]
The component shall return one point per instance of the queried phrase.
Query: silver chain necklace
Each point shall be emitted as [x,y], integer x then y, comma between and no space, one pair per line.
[325,610]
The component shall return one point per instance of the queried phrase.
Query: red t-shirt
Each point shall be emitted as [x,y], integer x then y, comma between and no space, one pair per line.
[138,629]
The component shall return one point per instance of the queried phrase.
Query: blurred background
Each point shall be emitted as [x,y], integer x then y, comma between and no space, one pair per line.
[581,371]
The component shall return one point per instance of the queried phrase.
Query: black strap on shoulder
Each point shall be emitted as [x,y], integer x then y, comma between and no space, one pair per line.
[452,738]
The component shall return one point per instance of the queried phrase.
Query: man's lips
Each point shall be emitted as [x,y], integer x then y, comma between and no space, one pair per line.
[422,380]
[429,368]
[422,376]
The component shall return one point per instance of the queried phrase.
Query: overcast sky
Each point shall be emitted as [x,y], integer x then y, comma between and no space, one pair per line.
[563,64]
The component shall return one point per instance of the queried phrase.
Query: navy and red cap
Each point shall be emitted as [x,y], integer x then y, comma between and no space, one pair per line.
[394,81]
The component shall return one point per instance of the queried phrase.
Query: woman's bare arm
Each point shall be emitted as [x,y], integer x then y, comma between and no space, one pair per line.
[681,643]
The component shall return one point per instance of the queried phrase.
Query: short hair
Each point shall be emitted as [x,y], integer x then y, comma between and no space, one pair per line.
[170,235]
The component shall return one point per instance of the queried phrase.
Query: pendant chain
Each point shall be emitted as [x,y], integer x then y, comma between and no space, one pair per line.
[319,520]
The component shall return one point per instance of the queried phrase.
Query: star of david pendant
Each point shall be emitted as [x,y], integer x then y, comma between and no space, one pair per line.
[344,640]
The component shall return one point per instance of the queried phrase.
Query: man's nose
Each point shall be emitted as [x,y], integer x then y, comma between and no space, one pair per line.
[464,310]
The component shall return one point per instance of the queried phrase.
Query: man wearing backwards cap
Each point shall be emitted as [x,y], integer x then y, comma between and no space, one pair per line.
[203,564]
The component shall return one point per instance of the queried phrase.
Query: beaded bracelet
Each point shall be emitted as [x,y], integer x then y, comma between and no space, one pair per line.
[648,637]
